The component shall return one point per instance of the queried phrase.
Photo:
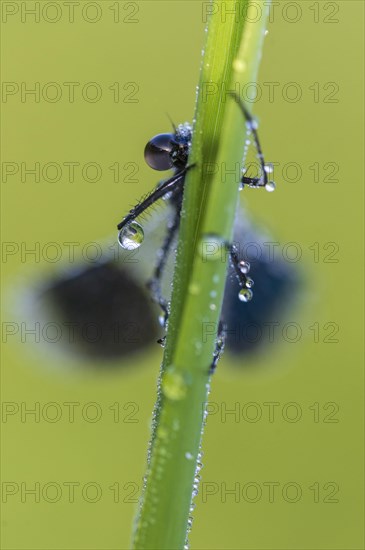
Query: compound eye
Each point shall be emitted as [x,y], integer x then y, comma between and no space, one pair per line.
[157,152]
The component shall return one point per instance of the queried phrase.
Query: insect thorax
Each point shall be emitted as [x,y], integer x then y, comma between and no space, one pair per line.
[180,153]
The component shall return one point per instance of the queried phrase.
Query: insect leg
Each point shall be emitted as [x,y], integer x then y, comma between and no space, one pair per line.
[169,185]
[252,182]
[154,284]
[252,126]
[219,346]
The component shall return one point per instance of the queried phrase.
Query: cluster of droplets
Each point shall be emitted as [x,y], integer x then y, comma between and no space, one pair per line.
[269,185]
[245,294]
[149,494]
[197,477]
[131,236]
[194,494]
[249,126]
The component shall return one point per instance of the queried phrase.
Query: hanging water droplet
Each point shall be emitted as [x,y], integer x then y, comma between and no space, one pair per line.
[131,236]
[211,248]
[270,186]
[244,267]
[269,168]
[245,295]
[249,282]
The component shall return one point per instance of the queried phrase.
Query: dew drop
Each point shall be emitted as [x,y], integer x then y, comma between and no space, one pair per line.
[244,267]
[174,386]
[211,248]
[162,341]
[176,425]
[162,319]
[270,186]
[131,236]
[189,456]
[198,347]
[245,295]
[162,433]
[162,451]
[239,65]
[198,344]
[269,168]
[249,283]
[194,289]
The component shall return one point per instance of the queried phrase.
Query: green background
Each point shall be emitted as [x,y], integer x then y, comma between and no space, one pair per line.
[161,53]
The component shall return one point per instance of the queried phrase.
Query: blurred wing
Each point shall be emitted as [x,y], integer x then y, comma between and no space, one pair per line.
[102,310]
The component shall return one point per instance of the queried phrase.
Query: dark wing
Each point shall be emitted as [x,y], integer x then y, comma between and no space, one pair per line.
[109,310]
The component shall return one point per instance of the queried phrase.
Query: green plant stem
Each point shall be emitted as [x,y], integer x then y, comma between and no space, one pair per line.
[231,58]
